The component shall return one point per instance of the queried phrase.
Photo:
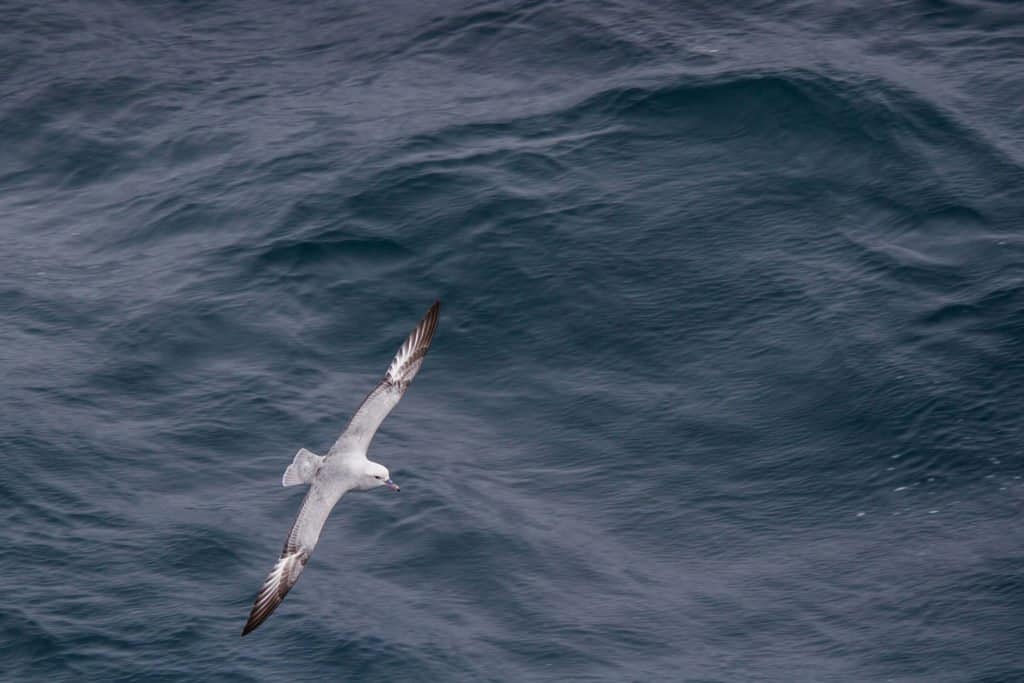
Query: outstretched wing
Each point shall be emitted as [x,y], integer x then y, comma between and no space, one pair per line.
[316,506]
[375,407]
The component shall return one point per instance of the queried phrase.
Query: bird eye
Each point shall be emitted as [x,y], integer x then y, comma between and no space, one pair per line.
[376,476]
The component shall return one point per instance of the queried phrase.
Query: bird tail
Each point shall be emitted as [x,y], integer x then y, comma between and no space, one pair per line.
[304,467]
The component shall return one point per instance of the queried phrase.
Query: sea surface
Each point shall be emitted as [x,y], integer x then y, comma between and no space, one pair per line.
[728,383]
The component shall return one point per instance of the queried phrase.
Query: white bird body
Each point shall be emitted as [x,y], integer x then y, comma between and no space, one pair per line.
[345,468]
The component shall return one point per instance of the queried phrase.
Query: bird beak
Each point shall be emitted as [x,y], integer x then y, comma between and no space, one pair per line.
[392,485]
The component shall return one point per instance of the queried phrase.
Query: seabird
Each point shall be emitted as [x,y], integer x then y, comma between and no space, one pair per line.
[345,468]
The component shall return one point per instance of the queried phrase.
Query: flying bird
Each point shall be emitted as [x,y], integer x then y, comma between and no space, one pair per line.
[345,468]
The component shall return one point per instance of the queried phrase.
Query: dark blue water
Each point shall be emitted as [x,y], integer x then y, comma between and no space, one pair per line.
[727,386]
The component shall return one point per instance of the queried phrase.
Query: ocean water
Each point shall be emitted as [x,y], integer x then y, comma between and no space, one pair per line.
[728,380]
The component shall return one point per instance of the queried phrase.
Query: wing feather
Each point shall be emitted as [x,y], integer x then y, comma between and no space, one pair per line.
[386,395]
[277,584]
[302,539]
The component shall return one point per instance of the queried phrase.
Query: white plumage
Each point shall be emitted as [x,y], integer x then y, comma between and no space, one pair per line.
[344,468]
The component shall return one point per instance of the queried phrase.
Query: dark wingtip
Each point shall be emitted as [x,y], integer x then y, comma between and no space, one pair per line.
[260,613]
[429,323]
[253,623]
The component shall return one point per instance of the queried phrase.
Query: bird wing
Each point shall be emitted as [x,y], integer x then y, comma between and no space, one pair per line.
[305,533]
[376,406]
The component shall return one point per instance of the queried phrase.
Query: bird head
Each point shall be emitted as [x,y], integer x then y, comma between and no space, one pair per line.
[377,475]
